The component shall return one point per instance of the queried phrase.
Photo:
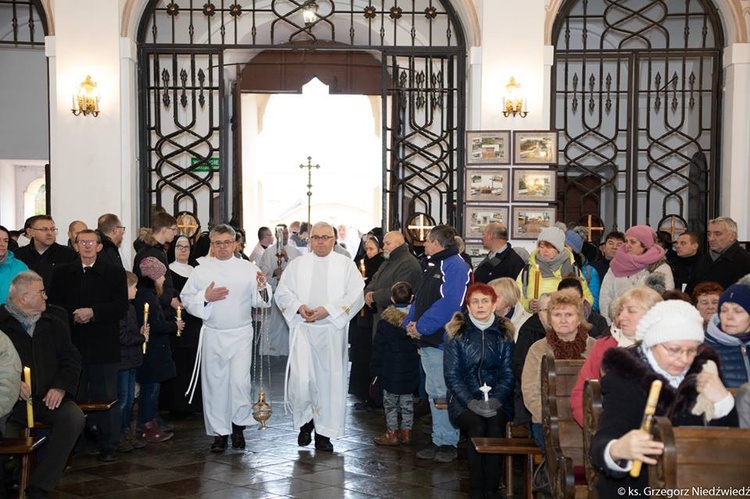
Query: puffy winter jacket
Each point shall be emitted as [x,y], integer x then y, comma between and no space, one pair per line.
[474,357]
[735,366]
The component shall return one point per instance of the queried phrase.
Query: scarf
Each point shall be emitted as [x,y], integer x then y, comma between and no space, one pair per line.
[627,264]
[181,269]
[622,340]
[562,262]
[568,350]
[674,381]
[482,325]
[27,321]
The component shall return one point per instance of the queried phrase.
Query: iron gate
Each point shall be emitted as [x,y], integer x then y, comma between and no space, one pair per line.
[636,99]
[188,51]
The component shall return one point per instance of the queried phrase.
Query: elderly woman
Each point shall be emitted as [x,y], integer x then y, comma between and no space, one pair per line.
[669,349]
[706,299]
[548,264]
[634,263]
[478,354]
[10,267]
[567,338]
[629,309]
[508,304]
[728,333]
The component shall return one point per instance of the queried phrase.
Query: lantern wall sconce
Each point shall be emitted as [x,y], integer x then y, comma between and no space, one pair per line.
[514,103]
[310,13]
[86,99]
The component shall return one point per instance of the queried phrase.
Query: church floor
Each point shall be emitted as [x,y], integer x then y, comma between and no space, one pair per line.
[272,465]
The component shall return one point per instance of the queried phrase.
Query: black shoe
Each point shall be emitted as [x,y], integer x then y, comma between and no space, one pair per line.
[238,437]
[323,443]
[305,434]
[220,444]
[107,456]
[34,492]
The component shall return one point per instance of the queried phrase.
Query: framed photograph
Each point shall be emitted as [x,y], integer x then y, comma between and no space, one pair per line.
[477,217]
[476,251]
[528,221]
[488,147]
[534,185]
[535,148]
[487,185]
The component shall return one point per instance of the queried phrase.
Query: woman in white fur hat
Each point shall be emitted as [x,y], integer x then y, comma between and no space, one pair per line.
[669,348]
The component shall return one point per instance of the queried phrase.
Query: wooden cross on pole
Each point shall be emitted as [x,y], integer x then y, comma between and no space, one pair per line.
[673,228]
[591,227]
[419,226]
[309,167]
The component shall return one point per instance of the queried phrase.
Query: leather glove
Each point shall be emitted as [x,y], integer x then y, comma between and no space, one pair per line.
[493,404]
[481,408]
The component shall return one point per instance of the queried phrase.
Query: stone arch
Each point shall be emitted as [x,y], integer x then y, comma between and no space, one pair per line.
[732,14]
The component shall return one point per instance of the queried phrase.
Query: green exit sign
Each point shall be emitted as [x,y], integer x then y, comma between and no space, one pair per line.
[213,163]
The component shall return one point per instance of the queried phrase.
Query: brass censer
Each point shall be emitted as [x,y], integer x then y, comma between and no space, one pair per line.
[262,409]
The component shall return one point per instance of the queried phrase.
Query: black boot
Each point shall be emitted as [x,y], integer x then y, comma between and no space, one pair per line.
[323,443]
[238,437]
[305,433]
[220,444]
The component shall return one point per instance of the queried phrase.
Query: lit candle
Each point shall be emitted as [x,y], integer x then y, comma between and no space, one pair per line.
[362,267]
[145,321]
[486,391]
[29,407]
[179,318]
[537,274]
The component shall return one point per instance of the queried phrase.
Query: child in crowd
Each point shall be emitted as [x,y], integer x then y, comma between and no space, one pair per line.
[157,364]
[131,358]
[395,364]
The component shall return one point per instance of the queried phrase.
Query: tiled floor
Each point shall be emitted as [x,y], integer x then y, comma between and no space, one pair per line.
[272,466]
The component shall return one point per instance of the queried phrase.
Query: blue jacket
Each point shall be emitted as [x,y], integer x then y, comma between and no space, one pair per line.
[395,360]
[474,357]
[735,366]
[589,273]
[440,293]
[9,269]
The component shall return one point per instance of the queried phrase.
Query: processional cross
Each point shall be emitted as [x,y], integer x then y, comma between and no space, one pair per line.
[309,167]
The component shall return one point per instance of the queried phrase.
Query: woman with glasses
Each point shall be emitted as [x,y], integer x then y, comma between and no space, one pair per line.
[669,349]
[706,299]
[10,267]
[728,332]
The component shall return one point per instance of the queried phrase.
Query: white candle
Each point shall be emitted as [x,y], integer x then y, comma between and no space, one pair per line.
[486,391]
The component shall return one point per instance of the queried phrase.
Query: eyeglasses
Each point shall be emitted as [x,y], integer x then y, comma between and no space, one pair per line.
[41,293]
[222,244]
[182,247]
[46,230]
[87,243]
[676,353]
[121,227]
[321,238]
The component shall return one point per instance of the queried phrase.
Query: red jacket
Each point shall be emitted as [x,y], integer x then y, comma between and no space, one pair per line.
[590,370]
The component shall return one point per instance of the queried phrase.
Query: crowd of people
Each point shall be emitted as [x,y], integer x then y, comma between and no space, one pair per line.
[368,317]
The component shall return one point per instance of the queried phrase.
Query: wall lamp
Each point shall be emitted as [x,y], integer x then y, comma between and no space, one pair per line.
[310,13]
[514,103]
[86,99]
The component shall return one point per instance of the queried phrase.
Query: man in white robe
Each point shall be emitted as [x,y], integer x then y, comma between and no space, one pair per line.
[318,295]
[265,240]
[223,291]
[277,332]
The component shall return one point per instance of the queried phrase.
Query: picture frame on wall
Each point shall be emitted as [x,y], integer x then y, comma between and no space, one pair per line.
[535,148]
[487,185]
[534,185]
[476,252]
[488,147]
[477,218]
[528,221]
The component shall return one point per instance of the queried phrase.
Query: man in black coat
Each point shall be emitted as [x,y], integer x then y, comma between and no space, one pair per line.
[686,259]
[42,341]
[152,243]
[43,253]
[95,296]
[502,260]
[725,262]
[111,231]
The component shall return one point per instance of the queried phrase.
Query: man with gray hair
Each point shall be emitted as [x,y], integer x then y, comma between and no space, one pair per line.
[42,339]
[502,260]
[725,261]
[222,292]
[318,295]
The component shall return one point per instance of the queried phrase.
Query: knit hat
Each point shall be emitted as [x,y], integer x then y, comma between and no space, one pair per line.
[736,293]
[152,268]
[554,236]
[574,240]
[644,234]
[671,320]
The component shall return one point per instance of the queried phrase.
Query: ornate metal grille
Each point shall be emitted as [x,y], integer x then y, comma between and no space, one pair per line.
[636,101]
[188,50]
[22,23]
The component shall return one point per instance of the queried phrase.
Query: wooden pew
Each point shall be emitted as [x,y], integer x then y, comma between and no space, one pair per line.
[85,406]
[697,456]
[24,447]
[563,439]
[511,446]
[592,409]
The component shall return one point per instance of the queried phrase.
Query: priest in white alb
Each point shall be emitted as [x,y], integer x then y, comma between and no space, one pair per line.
[318,295]
[223,291]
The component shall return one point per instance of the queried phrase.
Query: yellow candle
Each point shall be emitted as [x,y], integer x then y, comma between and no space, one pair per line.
[536,282]
[179,318]
[362,267]
[29,408]
[145,321]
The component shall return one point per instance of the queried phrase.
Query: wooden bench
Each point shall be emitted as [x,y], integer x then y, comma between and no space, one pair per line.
[592,409]
[697,456]
[24,447]
[85,406]
[563,439]
[509,447]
